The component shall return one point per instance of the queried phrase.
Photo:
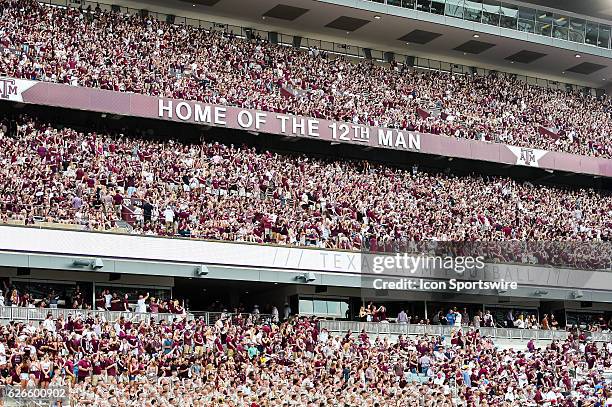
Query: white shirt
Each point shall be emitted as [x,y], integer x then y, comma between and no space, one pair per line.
[141,306]
[49,325]
[458,319]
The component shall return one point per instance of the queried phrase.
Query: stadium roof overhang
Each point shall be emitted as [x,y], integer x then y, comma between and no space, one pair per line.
[356,22]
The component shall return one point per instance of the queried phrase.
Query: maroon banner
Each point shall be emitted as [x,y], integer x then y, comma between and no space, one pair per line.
[130,104]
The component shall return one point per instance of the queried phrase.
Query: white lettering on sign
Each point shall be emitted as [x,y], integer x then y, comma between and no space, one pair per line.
[260,120]
[313,128]
[245,119]
[396,139]
[283,122]
[184,111]
[286,125]
[202,113]
[219,116]
[298,126]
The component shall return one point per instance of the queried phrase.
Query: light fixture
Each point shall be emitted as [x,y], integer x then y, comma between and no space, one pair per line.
[94,264]
[407,43]
[308,277]
[578,56]
[563,72]
[476,36]
[541,292]
[377,17]
[511,62]
[193,5]
[577,294]
[201,270]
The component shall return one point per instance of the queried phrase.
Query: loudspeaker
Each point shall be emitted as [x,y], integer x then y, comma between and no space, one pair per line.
[409,60]
[600,92]
[320,289]
[249,33]
[116,8]
[473,70]
[389,56]
[170,18]
[273,37]
[144,13]
[114,276]
[201,271]
[297,41]
[368,53]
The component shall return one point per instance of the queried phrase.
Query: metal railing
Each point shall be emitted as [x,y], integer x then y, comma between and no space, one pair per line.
[384,328]
[26,314]
[37,315]
[210,318]
[506,15]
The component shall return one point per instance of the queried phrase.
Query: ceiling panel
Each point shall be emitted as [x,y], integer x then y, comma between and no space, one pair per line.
[419,37]
[474,47]
[346,23]
[525,57]
[285,12]
[202,2]
[586,68]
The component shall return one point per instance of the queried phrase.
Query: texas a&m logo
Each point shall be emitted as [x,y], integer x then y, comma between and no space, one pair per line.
[7,88]
[527,156]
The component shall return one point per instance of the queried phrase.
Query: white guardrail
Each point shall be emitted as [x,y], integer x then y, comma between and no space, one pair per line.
[24,314]
[383,328]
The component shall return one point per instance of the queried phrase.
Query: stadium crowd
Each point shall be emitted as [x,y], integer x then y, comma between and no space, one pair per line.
[216,191]
[240,360]
[119,52]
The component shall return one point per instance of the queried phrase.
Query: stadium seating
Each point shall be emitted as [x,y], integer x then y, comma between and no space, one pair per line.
[134,54]
[163,354]
[215,191]
[241,360]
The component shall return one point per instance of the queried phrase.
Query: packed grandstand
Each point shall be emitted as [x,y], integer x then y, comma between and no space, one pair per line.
[95,48]
[237,193]
[243,360]
[134,350]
